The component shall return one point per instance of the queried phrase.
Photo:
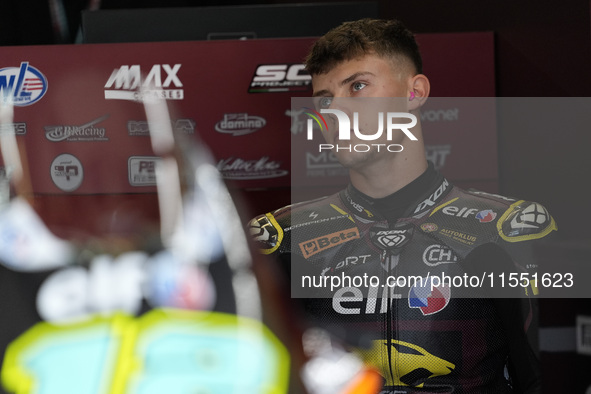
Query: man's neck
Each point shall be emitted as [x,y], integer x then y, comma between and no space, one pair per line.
[386,177]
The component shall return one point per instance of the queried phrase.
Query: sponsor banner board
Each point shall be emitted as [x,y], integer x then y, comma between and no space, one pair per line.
[84,101]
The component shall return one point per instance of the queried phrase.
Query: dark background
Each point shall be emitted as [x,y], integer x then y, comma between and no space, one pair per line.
[543,49]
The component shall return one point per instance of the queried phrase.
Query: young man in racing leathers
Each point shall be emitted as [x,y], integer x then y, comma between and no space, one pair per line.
[400,218]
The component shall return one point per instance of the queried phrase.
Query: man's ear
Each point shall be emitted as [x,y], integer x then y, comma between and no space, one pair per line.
[419,88]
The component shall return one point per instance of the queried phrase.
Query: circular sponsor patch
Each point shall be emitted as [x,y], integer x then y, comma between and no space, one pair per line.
[429,227]
[66,172]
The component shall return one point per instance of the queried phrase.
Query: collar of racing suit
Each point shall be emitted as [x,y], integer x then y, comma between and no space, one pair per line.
[402,203]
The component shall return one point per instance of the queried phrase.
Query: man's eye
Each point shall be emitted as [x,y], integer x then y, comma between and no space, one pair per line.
[358,86]
[324,102]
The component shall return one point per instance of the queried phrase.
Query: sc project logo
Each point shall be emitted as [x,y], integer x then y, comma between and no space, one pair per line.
[273,78]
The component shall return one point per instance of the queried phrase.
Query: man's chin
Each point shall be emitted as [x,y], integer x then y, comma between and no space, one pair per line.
[354,160]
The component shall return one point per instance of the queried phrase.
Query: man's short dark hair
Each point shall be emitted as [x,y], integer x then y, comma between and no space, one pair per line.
[386,38]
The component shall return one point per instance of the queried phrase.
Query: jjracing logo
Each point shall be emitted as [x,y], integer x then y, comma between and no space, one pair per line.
[22,86]
[85,132]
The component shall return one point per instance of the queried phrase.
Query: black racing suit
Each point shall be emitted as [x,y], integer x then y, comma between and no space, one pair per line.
[423,336]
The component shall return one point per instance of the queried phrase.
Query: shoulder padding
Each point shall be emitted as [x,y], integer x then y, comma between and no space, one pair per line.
[266,233]
[525,220]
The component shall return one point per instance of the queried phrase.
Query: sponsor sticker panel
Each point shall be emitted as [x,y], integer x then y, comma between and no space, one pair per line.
[98,99]
[243,113]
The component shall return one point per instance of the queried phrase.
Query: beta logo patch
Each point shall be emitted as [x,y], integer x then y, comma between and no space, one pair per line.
[314,246]
[427,298]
